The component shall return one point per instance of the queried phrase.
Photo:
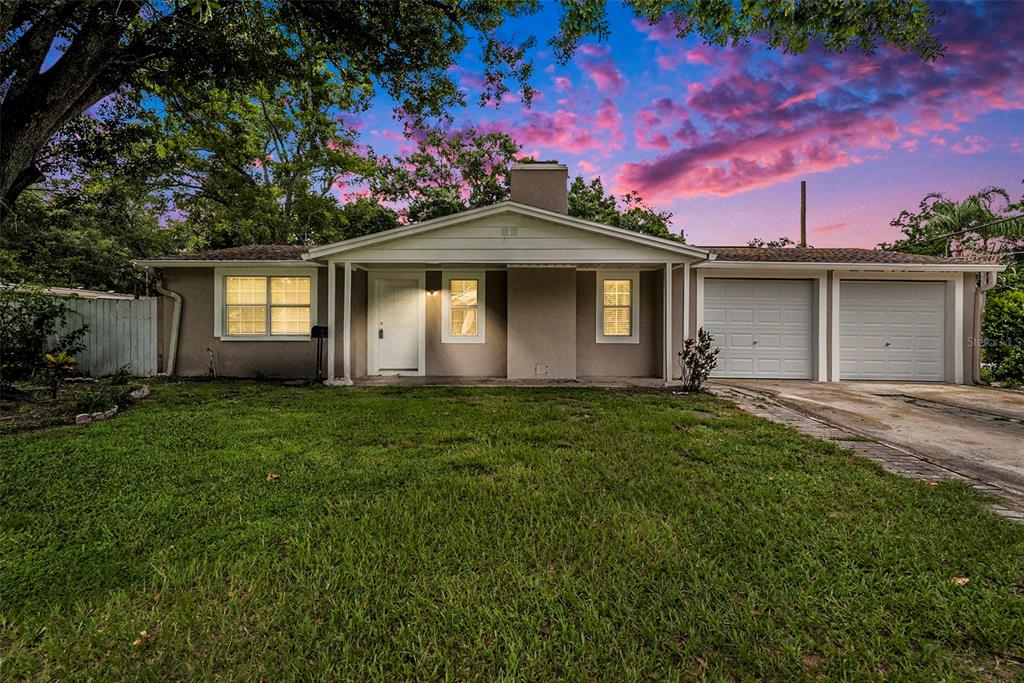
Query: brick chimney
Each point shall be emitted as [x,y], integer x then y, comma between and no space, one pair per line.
[541,184]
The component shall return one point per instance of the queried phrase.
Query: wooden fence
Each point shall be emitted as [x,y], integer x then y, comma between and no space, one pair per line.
[122,333]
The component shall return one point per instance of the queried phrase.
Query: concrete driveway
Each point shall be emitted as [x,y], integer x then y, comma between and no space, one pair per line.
[976,431]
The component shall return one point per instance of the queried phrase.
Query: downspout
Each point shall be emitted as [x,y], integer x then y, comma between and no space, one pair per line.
[988,281]
[172,352]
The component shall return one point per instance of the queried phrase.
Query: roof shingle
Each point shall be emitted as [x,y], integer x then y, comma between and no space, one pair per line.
[252,252]
[828,255]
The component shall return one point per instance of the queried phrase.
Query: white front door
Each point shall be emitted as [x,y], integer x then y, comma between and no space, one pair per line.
[892,330]
[763,327]
[396,322]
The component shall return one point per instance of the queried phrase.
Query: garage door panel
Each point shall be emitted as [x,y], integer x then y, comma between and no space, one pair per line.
[763,327]
[891,330]
[741,315]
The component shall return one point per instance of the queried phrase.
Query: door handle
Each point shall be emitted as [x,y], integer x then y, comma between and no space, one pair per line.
[380,333]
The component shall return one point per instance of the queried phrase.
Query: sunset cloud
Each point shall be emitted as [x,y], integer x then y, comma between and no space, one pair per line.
[758,121]
[597,63]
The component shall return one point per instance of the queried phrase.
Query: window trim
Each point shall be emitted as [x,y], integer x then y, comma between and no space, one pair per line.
[220,276]
[446,306]
[634,302]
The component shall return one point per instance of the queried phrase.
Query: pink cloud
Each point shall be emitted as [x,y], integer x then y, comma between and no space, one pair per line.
[972,144]
[562,84]
[830,228]
[566,130]
[765,118]
[598,65]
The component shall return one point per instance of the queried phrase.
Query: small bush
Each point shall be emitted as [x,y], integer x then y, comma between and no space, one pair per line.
[698,358]
[98,397]
[121,376]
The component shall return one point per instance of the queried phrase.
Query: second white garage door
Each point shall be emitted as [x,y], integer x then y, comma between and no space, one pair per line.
[763,327]
[891,330]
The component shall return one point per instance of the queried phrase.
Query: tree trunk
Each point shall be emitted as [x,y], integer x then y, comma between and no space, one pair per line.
[38,104]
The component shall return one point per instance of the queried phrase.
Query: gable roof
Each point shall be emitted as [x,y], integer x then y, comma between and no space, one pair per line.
[507,207]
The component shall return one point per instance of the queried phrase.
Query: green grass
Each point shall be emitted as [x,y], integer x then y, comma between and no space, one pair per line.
[485,533]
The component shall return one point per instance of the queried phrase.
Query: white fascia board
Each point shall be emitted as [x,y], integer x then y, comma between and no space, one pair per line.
[885,267]
[507,207]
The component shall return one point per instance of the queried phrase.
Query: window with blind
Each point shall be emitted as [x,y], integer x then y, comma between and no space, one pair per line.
[462,314]
[617,313]
[267,306]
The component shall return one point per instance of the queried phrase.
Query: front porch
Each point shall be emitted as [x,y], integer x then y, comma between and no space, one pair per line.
[524,325]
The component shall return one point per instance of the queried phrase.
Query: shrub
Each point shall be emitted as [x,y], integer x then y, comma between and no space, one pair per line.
[698,358]
[1003,326]
[97,397]
[1010,372]
[1003,332]
[27,318]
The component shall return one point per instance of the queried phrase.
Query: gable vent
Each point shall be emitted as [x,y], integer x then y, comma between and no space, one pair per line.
[510,231]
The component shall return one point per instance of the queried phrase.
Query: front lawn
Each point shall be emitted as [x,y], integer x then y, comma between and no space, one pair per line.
[243,530]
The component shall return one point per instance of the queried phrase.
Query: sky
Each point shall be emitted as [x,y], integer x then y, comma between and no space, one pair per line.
[722,137]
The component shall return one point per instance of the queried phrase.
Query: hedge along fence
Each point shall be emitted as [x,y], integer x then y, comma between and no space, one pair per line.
[121,333]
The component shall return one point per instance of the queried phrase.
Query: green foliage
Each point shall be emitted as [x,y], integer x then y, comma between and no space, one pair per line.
[449,172]
[1003,335]
[1010,371]
[630,212]
[943,227]
[784,24]
[83,234]
[1003,324]
[93,398]
[261,165]
[57,366]
[27,317]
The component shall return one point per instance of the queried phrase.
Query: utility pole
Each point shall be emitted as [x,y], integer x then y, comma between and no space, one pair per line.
[803,213]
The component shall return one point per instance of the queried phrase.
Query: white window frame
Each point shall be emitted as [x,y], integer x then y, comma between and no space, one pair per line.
[446,306]
[220,276]
[634,304]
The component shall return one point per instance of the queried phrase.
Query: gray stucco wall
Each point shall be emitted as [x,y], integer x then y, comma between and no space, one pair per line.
[619,360]
[542,323]
[469,360]
[283,359]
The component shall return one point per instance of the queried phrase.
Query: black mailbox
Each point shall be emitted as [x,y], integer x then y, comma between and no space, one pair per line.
[318,332]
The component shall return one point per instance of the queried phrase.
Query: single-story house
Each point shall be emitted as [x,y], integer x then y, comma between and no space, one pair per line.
[523,291]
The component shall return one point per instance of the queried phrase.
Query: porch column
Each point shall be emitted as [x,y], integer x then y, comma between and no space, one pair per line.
[332,330]
[347,338]
[668,324]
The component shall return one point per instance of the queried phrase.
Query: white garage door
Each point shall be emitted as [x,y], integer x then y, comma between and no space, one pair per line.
[891,330]
[763,327]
